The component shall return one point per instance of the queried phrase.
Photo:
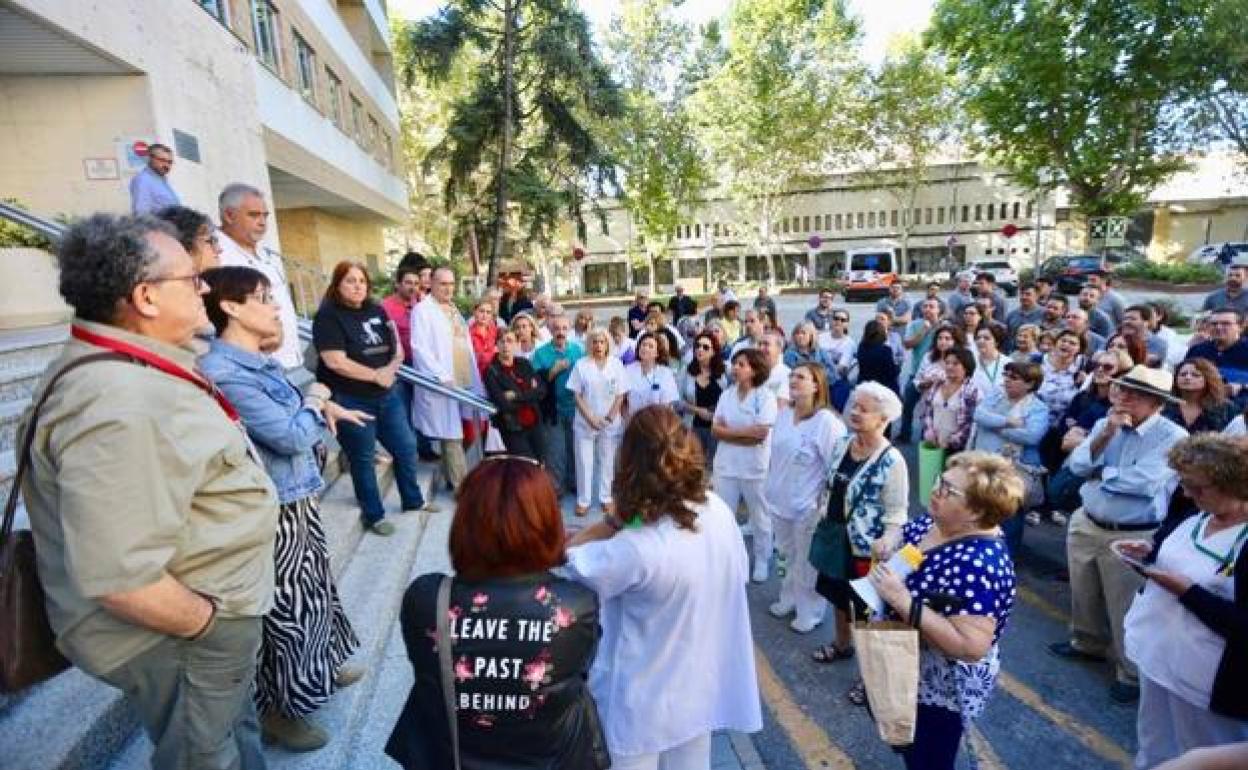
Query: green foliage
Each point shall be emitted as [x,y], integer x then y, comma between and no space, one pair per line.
[654,141]
[520,130]
[17,236]
[1076,92]
[1169,272]
[780,104]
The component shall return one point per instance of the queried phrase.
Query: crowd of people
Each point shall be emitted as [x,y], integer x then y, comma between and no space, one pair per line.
[621,643]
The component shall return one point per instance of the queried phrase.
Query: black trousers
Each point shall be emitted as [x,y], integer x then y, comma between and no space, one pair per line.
[527,443]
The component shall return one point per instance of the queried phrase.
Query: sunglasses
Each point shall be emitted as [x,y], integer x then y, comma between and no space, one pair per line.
[704,346]
[841,319]
[1106,367]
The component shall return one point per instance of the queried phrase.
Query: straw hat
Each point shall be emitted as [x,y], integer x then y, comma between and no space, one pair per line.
[1155,382]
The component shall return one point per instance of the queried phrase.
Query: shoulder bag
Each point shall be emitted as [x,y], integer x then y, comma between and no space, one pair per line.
[445,663]
[28,653]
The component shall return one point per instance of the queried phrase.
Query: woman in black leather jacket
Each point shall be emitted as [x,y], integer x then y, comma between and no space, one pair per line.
[517,392]
[523,638]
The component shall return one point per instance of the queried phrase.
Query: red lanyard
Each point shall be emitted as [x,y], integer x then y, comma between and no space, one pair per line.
[157,362]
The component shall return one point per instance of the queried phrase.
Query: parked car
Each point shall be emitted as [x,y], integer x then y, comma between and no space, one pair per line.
[1069,272]
[1001,269]
[1220,254]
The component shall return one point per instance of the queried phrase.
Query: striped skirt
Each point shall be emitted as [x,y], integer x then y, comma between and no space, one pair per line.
[306,635]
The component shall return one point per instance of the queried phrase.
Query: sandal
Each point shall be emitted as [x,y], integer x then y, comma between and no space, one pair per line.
[857,694]
[830,653]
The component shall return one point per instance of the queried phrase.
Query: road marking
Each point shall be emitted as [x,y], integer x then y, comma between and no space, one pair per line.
[1044,605]
[808,739]
[988,759]
[1098,743]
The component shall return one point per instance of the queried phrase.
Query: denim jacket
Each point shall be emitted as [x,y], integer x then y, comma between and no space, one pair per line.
[272,411]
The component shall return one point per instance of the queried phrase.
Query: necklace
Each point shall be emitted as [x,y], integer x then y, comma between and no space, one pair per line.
[1225,561]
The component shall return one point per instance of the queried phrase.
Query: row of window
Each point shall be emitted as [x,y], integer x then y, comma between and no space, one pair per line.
[340,105]
[866,220]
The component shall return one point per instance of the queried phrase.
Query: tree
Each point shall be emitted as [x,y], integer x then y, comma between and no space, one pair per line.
[1217,107]
[654,142]
[524,115]
[1076,92]
[910,114]
[774,111]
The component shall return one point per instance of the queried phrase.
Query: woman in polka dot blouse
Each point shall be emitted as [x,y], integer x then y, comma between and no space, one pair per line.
[959,598]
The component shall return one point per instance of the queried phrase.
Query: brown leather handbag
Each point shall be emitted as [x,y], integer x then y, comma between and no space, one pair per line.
[28,653]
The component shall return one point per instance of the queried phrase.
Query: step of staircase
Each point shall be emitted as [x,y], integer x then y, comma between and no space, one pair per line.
[83,724]
[25,355]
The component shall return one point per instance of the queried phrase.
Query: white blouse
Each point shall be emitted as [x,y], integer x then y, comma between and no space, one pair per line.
[599,387]
[800,453]
[675,659]
[757,408]
[657,387]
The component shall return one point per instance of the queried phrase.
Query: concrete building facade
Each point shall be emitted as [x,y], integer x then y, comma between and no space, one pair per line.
[295,97]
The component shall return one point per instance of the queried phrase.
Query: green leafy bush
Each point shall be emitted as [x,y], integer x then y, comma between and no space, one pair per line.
[1169,272]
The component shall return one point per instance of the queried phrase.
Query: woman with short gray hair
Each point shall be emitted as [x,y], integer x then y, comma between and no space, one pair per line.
[867,498]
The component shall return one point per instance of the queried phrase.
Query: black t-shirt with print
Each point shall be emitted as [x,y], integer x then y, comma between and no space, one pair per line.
[363,334]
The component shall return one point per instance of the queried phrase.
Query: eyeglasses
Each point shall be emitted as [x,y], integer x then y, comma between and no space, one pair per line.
[264,297]
[841,319]
[1106,367]
[945,489]
[195,278]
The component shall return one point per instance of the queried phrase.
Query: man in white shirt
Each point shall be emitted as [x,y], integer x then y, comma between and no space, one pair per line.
[752,329]
[244,222]
[772,348]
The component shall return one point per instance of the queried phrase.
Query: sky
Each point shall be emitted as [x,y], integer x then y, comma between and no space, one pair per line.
[882,19]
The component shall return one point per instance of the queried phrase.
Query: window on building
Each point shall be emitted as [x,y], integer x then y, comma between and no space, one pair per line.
[979,212]
[1005,214]
[953,215]
[357,119]
[927,216]
[716,230]
[917,218]
[991,208]
[1016,209]
[374,134]
[892,218]
[1061,215]
[861,220]
[305,67]
[839,222]
[333,92]
[219,9]
[966,214]
[1031,208]
[784,225]
[264,23]
[805,224]
[697,230]
[871,219]
[940,215]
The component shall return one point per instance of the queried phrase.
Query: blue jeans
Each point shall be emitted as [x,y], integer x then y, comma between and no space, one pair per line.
[1063,490]
[937,736]
[558,443]
[424,446]
[392,427]
[910,400]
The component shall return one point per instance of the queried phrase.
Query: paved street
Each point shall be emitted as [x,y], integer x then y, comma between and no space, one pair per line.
[1046,714]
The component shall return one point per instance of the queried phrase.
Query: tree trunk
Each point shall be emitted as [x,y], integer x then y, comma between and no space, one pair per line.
[474,253]
[504,152]
[767,243]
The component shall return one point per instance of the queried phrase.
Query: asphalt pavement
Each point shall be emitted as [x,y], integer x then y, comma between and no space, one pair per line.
[1045,714]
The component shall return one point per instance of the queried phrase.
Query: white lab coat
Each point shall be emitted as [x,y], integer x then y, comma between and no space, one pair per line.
[437,416]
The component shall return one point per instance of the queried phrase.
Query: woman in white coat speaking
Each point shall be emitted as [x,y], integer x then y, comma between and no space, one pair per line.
[801,448]
[598,381]
[649,380]
[674,664]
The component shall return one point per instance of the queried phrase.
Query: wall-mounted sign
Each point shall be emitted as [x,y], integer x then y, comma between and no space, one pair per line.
[100,168]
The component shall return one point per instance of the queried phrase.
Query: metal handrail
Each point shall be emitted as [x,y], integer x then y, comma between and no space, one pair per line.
[54,230]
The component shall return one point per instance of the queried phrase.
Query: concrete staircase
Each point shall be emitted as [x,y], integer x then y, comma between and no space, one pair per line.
[73,722]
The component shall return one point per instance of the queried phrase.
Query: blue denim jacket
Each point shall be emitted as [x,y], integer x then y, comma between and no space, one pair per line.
[272,411]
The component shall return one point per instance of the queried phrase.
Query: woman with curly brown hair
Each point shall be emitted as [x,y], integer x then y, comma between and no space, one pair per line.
[1202,406]
[671,581]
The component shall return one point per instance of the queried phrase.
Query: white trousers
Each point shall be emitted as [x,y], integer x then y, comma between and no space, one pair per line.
[733,491]
[1168,726]
[691,755]
[594,450]
[798,587]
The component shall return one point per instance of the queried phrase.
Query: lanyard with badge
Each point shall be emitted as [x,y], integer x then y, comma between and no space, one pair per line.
[146,357]
[1225,561]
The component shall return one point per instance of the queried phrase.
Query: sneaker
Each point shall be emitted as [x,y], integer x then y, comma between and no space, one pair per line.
[431,507]
[292,734]
[1124,694]
[383,528]
[1033,518]
[1059,518]
[760,573]
[780,609]
[348,675]
[804,625]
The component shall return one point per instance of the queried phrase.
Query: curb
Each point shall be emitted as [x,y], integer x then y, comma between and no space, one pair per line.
[743,745]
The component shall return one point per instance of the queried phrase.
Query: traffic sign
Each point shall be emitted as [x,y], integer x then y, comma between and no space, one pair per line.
[140,148]
[1104,232]
[1010,230]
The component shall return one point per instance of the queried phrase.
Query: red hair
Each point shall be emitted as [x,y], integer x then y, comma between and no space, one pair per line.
[507,521]
[339,275]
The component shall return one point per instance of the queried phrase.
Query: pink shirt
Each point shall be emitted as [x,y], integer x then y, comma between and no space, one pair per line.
[400,312]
